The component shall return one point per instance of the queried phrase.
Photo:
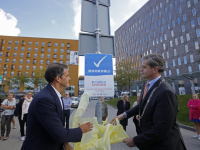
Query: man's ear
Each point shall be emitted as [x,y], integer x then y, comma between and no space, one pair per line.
[155,69]
[57,79]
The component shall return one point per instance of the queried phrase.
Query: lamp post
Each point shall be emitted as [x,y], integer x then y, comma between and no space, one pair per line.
[4,69]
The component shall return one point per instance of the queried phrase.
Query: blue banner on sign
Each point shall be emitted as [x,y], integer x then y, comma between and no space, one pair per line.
[98,64]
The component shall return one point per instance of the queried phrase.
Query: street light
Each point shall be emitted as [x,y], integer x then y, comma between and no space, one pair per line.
[4,69]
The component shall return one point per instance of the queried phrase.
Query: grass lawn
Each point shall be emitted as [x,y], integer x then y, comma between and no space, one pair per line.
[183,115]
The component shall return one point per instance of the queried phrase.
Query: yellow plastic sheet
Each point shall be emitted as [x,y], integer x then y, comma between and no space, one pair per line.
[101,136]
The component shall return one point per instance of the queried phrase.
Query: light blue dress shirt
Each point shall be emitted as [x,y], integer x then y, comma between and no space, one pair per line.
[67,103]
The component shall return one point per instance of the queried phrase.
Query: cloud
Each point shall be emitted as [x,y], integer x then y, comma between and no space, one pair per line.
[132,2]
[112,23]
[76,4]
[127,16]
[53,21]
[8,24]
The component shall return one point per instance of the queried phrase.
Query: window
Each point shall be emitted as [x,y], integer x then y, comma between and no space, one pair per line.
[68,44]
[165,36]
[175,2]
[15,55]
[160,5]
[168,26]
[9,42]
[161,39]
[191,58]
[61,62]
[56,44]
[49,44]
[28,55]
[48,62]
[156,50]
[61,56]
[199,20]
[55,50]
[198,32]
[34,61]
[7,60]
[12,73]
[186,48]
[16,42]
[179,61]
[162,29]
[183,28]
[41,67]
[22,49]
[176,41]
[184,17]
[170,6]
[62,50]
[163,55]
[20,67]
[179,10]
[167,54]
[178,20]
[67,62]
[187,36]
[33,74]
[199,66]
[0,60]
[189,69]
[42,56]
[41,61]
[170,73]
[174,62]
[195,1]
[22,55]
[30,43]
[36,49]
[194,11]
[62,44]
[54,61]
[166,9]
[36,43]
[21,61]
[43,43]
[173,23]
[196,45]
[54,56]
[188,4]
[8,48]
[171,43]
[175,53]
[14,61]
[185,60]
[27,67]
[177,71]
[29,49]
[170,17]
[34,67]
[172,33]
[192,24]
[27,61]
[182,40]
[16,48]
[49,50]
[67,56]
[165,73]
[26,73]
[166,64]
[48,56]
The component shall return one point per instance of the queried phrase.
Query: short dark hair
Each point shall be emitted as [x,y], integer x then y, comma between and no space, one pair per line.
[155,60]
[54,70]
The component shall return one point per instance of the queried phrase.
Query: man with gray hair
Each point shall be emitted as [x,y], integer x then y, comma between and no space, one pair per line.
[157,110]
[67,105]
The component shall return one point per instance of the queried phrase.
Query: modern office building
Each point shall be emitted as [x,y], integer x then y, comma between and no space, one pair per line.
[170,28]
[27,55]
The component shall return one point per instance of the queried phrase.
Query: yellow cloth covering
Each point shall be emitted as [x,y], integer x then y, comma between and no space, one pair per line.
[101,136]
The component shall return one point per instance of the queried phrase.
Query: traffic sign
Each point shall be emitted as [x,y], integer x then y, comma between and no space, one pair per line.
[35,89]
[15,90]
[99,80]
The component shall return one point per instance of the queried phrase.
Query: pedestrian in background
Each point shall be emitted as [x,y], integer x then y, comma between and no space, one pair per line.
[22,111]
[193,104]
[67,101]
[9,105]
[135,120]
[122,106]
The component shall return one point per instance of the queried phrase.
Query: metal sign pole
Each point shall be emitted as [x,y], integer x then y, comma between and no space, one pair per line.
[97,31]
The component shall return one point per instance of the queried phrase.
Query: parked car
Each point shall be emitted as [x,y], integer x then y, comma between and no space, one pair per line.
[75,102]
[93,98]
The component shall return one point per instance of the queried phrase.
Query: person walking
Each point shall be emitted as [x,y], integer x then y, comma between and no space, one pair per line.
[135,120]
[193,104]
[67,101]
[46,129]
[9,105]
[122,106]
[22,112]
[104,109]
[157,109]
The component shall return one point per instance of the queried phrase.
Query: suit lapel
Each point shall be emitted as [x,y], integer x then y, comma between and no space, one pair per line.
[55,96]
[149,92]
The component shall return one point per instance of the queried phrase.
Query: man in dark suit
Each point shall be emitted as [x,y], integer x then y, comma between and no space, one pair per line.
[45,130]
[157,109]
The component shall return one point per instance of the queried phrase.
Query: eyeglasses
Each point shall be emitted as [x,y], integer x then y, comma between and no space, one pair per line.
[66,94]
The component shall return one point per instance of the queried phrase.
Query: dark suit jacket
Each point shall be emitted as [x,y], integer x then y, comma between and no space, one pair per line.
[45,130]
[159,129]
[120,110]
[19,108]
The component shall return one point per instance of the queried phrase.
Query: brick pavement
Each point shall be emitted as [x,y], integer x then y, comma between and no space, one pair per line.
[14,143]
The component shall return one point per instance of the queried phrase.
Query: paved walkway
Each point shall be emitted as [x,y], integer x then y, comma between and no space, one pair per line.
[14,143]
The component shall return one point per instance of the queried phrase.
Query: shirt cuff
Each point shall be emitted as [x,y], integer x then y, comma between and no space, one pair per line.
[125,114]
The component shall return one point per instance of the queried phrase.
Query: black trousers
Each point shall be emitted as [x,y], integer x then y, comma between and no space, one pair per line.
[136,122]
[5,118]
[22,123]
[66,117]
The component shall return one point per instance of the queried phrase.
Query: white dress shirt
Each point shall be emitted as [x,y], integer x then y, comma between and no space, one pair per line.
[59,96]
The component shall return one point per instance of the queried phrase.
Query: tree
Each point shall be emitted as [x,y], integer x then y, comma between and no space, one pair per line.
[126,74]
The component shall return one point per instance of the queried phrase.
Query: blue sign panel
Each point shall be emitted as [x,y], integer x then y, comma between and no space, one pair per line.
[98,64]
[15,90]
[35,89]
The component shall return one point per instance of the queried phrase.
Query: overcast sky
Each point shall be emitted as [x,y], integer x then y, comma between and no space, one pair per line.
[56,18]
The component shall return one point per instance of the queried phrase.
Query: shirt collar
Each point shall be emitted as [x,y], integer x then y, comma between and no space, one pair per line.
[59,95]
[153,81]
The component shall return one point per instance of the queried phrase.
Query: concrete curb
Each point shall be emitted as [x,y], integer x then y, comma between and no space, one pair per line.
[180,125]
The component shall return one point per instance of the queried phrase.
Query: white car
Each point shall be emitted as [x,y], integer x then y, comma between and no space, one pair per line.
[75,101]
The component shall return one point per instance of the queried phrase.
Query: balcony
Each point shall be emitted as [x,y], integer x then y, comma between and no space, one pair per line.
[23,43]
[2,41]
[1,47]
[7,54]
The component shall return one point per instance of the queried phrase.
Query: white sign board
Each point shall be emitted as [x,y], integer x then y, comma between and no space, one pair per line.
[99,80]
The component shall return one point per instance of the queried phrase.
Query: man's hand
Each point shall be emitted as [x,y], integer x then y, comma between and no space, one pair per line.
[67,146]
[86,127]
[129,142]
[120,117]
[137,117]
